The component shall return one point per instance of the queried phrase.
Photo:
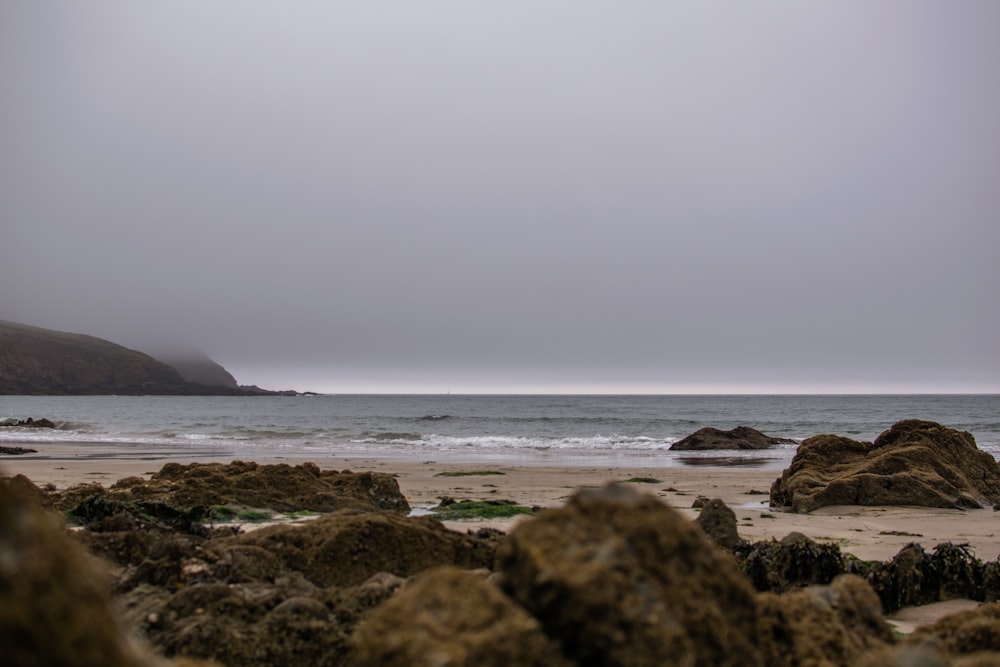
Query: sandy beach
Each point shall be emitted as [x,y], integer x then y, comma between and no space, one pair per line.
[870,533]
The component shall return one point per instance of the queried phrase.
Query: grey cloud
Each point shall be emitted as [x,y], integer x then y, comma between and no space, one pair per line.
[555,193]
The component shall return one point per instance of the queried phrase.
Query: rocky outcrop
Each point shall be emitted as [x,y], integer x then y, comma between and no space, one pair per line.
[454,617]
[346,548]
[741,437]
[618,578]
[179,493]
[913,463]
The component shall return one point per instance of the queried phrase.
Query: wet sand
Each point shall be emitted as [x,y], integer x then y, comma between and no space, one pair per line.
[870,533]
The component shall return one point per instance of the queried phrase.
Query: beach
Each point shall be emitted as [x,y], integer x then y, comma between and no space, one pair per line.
[869,533]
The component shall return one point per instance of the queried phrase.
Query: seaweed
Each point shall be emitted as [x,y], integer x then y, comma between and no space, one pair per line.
[480,509]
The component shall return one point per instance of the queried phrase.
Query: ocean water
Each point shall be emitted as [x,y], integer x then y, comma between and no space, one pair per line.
[633,430]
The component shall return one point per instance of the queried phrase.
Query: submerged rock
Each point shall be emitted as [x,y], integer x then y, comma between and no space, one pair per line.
[741,437]
[453,617]
[619,578]
[913,463]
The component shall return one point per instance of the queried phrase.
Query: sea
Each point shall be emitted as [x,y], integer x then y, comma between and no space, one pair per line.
[614,431]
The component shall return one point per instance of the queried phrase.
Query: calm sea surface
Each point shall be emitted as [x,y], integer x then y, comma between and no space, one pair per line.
[587,430]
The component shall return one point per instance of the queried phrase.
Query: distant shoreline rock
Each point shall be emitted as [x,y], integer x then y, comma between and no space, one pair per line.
[30,422]
[16,451]
[741,437]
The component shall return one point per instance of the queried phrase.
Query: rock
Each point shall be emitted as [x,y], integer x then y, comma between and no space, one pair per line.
[972,633]
[822,625]
[913,463]
[285,622]
[719,523]
[30,422]
[54,606]
[914,577]
[187,493]
[791,563]
[453,617]
[16,451]
[741,437]
[25,488]
[618,578]
[346,548]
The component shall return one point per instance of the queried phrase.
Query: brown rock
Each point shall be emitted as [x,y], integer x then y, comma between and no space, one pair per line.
[179,493]
[346,548]
[822,625]
[618,578]
[452,617]
[719,523]
[54,607]
[966,633]
[913,463]
[741,437]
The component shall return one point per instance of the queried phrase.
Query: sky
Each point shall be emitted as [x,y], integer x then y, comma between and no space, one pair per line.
[552,196]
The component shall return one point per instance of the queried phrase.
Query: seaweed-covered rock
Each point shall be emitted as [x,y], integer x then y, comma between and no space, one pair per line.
[914,577]
[54,607]
[286,622]
[719,523]
[966,633]
[346,548]
[453,617]
[913,463]
[793,562]
[822,625]
[618,578]
[181,496]
[741,437]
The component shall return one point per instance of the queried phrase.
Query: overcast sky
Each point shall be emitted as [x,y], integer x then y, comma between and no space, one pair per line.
[512,196]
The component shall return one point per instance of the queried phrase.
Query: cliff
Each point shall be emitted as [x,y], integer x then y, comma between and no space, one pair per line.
[195,366]
[42,361]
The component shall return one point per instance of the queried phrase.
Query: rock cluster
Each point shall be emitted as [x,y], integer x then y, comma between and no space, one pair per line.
[179,493]
[913,463]
[613,577]
[741,437]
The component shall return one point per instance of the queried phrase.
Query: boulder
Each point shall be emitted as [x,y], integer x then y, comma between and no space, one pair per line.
[54,604]
[915,462]
[453,617]
[346,548]
[619,578]
[741,437]
[719,523]
[822,625]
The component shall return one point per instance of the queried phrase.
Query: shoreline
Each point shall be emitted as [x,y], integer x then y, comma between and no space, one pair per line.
[867,532]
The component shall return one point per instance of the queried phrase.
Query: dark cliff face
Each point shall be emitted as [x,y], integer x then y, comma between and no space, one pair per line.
[41,361]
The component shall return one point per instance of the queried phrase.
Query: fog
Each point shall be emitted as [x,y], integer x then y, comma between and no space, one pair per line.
[554,196]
